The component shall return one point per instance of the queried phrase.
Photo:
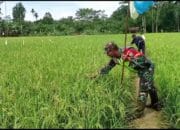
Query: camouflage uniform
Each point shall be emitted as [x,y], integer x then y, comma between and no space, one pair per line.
[146,84]
[145,70]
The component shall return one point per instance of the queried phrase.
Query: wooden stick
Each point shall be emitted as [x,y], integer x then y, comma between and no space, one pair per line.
[126,25]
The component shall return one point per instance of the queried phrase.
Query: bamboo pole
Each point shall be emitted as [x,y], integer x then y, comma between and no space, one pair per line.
[125,40]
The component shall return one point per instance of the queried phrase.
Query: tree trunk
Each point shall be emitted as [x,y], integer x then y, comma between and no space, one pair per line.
[152,27]
[21,28]
[178,17]
[157,18]
[143,24]
[178,23]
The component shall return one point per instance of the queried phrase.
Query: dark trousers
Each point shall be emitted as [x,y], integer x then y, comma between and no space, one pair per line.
[141,47]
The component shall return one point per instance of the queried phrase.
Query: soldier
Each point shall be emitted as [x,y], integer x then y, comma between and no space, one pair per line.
[145,69]
[140,42]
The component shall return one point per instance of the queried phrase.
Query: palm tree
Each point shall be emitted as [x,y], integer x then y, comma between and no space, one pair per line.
[177,14]
[36,15]
[32,11]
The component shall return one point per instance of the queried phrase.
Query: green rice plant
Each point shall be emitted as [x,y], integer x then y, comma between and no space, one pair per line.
[43,82]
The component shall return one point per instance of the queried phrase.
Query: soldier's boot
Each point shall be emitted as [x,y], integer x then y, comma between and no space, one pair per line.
[136,114]
[139,111]
[155,104]
[141,104]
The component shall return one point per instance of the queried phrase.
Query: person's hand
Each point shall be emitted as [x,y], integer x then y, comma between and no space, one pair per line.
[117,61]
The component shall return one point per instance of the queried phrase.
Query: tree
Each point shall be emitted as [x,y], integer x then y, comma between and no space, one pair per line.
[152,19]
[88,14]
[167,17]
[34,13]
[47,19]
[19,13]
[177,14]
[120,13]
[89,21]
[65,25]
[0,10]
[118,17]
[0,14]
[158,8]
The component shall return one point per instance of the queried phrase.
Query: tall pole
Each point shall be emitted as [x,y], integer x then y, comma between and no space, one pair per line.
[125,40]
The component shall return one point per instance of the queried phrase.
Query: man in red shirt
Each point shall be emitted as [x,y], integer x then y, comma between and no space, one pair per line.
[145,69]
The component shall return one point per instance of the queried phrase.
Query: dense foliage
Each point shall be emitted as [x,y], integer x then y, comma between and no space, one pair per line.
[164,17]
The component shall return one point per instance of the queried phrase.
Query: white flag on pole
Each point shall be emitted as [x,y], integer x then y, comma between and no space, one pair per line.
[133,12]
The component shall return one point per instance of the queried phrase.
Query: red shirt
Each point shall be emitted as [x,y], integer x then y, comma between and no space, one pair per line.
[129,53]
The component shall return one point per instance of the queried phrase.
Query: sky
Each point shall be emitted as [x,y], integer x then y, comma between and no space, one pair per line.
[58,9]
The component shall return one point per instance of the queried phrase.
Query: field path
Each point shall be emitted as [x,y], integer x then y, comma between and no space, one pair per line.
[151,118]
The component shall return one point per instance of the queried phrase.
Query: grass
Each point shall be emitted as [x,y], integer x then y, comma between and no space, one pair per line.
[164,51]
[43,82]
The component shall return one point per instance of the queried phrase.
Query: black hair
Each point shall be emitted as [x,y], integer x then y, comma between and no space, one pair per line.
[111,46]
[133,35]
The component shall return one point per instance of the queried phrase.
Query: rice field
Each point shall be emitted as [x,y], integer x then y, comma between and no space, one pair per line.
[44,83]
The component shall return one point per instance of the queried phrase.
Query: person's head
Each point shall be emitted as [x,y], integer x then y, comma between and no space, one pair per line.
[112,50]
[133,36]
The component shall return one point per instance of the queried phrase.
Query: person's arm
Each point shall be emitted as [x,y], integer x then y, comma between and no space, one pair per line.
[133,41]
[141,63]
[104,70]
[108,67]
